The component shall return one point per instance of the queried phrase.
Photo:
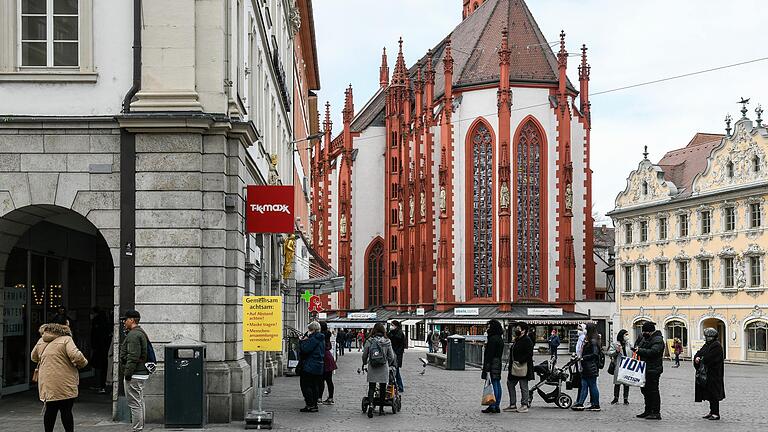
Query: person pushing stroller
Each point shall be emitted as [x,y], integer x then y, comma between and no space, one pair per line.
[379,356]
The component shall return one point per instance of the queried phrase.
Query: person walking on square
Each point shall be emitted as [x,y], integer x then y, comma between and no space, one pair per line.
[397,337]
[133,358]
[360,340]
[590,369]
[554,342]
[379,357]
[710,385]
[341,342]
[58,361]
[650,349]
[616,352]
[329,365]
[520,369]
[311,360]
[677,347]
[494,350]
[435,342]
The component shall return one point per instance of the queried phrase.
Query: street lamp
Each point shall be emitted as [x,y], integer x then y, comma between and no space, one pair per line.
[309,138]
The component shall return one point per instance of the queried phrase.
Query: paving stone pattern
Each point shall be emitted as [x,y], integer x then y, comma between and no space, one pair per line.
[443,400]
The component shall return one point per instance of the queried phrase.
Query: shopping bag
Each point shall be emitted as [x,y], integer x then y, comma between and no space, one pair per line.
[489,398]
[631,371]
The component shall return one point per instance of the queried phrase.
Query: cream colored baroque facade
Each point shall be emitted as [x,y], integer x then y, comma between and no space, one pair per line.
[691,242]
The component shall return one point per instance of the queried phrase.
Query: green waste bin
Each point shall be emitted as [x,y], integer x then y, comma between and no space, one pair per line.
[456,353]
[185,384]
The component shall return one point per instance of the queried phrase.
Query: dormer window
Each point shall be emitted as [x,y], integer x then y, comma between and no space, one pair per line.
[756,164]
[729,167]
[645,188]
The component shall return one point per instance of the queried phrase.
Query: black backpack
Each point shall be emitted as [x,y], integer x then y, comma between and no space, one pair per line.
[376,356]
[600,357]
[151,360]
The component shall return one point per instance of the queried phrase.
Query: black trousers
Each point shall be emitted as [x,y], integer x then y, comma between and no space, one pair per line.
[372,391]
[651,394]
[53,408]
[617,389]
[714,407]
[310,387]
[327,379]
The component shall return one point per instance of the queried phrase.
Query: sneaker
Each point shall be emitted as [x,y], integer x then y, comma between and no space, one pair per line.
[615,401]
[522,409]
[593,408]
[626,401]
[328,401]
[643,415]
[714,417]
[489,410]
[654,416]
[306,409]
[578,407]
[511,408]
[707,416]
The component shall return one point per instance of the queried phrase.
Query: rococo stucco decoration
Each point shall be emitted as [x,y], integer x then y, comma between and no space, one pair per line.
[737,160]
[646,184]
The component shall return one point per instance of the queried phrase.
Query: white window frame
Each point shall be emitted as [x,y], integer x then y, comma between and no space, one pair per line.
[754,265]
[661,269]
[663,228]
[10,48]
[642,271]
[706,221]
[705,264]
[687,226]
[627,278]
[732,273]
[628,233]
[726,219]
[683,275]
[755,217]
[643,231]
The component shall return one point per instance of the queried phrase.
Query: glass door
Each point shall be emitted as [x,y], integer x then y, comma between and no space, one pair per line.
[16,326]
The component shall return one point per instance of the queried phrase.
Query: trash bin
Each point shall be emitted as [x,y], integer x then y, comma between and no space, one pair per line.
[185,384]
[456,355]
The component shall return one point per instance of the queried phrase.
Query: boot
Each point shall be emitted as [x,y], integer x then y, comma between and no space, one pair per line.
[615,401]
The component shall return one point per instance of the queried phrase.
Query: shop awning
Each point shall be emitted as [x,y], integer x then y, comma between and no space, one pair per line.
[459,321]
[411,321]
[322,285]
[351,324]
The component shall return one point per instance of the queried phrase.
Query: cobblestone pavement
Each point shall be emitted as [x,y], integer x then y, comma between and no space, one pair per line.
[443,400]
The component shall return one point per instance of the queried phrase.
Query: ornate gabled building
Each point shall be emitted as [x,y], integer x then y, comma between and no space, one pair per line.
[465,179]
[691,241]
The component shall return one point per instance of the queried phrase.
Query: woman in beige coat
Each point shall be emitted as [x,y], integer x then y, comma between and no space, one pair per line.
[58,361]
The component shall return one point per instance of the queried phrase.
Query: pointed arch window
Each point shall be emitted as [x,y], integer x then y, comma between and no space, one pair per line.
[529,173]
[374,270]
[482,210]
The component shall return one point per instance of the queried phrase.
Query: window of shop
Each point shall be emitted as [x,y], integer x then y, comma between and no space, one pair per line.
[677,329]
[757,340]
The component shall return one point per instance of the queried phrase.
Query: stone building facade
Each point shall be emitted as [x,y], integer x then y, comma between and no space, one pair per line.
[691,242]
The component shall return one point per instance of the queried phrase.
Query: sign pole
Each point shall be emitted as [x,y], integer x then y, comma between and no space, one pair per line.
[262,332]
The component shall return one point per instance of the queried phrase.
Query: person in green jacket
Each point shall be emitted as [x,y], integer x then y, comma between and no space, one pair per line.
[133,356]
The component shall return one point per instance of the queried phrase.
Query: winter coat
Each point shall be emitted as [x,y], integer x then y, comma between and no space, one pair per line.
[58,360]
[651,351]
[678,348]
[590,358]
[133,353]
[711,355]
[329,363]
[312,354]
[554,342]
[616,351]
[397,337]
[494,350]
[522,351]
[379,374]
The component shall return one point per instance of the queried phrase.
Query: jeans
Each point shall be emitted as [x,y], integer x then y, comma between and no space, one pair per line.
[651,394]
[714,407]
[327,379]
[677,359]
[496,383]
[310,386]
[589,384]
[134,392]
[525,397]
[617,389]
[54,407]
[399,380]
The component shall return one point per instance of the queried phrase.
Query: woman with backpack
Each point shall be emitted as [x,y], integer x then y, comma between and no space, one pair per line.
[590,368]
[58,361]
[616,352]
[379,356]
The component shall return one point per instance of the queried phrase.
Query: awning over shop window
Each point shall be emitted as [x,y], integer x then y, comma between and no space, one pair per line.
[322,285]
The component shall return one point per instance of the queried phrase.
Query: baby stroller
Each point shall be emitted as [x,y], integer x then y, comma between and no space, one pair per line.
[550,375]
[392,397]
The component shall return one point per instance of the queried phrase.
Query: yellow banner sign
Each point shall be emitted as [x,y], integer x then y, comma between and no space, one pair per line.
[262,323]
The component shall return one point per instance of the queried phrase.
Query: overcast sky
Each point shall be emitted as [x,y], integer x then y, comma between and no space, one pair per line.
[648,40]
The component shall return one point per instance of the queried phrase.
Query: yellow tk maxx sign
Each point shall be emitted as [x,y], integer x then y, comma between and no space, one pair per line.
[262,323]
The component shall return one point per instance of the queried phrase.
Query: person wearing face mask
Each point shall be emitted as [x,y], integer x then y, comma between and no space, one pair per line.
[494,349]
[520,369]
[712,389]
[650,349]
[618,350]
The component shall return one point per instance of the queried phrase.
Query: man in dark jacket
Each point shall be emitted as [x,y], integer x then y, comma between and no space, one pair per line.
[397,337]
[341,341]
[554,342]
[311,360]
[133,356]
[650,349]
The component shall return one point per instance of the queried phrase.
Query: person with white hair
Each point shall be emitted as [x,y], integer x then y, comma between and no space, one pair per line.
[310,368]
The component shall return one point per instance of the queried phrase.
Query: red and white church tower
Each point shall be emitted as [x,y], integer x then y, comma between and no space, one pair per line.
[465,179]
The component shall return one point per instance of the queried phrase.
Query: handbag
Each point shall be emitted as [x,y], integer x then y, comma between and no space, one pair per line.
[631,371]
[518,369]
[489,397]
[612,366]
[36,373]
[701,374]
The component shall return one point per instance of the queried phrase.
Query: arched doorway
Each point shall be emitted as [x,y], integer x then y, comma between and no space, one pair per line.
[374,273]
[719,325]
[676,329]
[52,261]
[756,340]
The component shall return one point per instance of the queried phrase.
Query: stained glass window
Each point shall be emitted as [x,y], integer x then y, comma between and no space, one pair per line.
[528,219]
[375,263]
[482,211]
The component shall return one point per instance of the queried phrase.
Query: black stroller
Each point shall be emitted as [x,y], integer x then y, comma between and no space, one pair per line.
[392,397]
[550,375]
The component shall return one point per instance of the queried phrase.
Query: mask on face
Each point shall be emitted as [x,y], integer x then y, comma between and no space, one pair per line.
[518,332]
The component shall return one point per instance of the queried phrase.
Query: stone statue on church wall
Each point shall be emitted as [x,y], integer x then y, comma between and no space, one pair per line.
[504,196]
[343,225]
[320,232]
[411,209]
[442,199]
[568,196]
[422,205]
[400,212]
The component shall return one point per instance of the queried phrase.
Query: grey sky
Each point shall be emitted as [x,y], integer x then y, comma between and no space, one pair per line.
[629,42]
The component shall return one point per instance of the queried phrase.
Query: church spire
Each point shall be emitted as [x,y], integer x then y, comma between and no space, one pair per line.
[584,70]
[384,70]
[401,72]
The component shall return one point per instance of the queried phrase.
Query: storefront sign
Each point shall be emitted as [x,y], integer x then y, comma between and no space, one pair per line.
[420,311]
[262,323]
[322,315]
[461,311]
[545,311]
[269,209]
[362,315]
[14,301]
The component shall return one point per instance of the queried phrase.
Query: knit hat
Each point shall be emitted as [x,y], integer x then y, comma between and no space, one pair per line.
[649,327]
